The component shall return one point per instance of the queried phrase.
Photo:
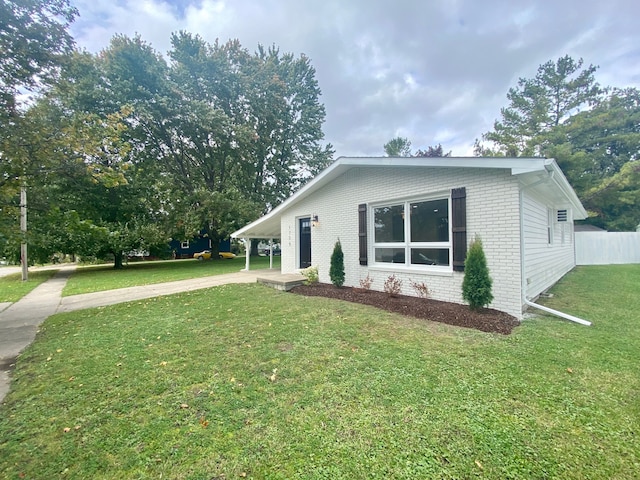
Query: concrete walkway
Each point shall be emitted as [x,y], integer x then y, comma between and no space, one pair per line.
[19,321]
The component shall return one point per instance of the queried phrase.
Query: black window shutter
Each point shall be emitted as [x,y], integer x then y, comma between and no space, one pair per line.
[459,227]
[362,233]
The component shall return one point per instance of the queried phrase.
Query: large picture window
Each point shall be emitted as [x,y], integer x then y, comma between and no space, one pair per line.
[413,233]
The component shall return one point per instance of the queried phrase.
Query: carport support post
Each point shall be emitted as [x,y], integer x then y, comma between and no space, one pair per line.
[247,246]
[271,253]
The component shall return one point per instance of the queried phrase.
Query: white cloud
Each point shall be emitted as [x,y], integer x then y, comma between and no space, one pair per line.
[435,72]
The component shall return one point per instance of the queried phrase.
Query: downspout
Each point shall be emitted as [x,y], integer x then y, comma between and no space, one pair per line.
[523,275]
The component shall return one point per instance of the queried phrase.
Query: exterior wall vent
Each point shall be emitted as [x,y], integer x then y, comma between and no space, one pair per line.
[562,216]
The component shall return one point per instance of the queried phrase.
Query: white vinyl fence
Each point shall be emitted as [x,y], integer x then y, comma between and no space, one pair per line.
[606,248]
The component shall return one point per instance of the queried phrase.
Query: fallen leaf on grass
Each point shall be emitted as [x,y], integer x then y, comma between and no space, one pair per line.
[569,370]
[204,422]
[479,465]
[184,405]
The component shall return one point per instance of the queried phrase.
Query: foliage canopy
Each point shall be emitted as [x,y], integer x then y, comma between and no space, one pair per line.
[592,132]
[129,150]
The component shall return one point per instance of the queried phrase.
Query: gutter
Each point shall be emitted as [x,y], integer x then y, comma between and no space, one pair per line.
[523,276]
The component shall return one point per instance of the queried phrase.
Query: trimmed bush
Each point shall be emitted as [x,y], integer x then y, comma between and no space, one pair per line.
[336,272]
[310,274]
[476,286]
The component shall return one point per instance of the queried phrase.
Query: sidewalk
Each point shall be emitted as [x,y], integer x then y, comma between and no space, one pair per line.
[19,321]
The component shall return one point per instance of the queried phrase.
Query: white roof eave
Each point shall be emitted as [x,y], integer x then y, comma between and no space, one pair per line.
[268,226]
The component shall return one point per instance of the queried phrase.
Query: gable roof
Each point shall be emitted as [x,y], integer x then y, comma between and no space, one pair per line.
[529,171]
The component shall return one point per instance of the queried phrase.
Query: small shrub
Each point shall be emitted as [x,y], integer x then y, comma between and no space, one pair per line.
[365,283]
[421,288]
[310,274]
[336,272]
[476,286]
[393,286]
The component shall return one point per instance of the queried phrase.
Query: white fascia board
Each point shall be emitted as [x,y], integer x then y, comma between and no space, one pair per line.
[267,222]
[551,183]
[579,212]
[271,222]
[517,165]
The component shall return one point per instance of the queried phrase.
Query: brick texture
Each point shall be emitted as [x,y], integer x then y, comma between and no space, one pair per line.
[492,214]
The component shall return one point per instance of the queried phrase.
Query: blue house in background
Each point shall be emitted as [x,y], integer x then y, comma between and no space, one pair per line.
[186,248]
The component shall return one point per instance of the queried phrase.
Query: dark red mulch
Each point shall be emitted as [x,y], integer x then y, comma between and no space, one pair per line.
[485,320]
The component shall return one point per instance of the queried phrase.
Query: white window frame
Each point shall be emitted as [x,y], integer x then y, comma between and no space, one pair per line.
[551,219]
[408,244]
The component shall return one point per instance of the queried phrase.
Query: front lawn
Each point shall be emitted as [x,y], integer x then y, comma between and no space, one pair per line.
[104,277]
[241,381]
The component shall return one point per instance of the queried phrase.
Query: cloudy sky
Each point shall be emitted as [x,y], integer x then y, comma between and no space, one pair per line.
[434,71]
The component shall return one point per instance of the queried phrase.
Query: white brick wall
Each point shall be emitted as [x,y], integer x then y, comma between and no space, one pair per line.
[492,213]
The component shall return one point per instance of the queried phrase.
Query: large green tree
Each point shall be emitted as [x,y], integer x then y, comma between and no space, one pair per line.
[200,144]
[539,104]
[34,41]
[80,192]
[591,131]
[599,151]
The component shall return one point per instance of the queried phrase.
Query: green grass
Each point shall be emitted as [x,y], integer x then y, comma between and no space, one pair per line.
[242,380]
[12,288]
[105,277]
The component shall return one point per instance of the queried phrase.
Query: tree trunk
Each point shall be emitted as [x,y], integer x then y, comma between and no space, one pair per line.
[117,260]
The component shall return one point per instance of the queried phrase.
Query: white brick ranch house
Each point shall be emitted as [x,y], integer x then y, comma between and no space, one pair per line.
[415,218]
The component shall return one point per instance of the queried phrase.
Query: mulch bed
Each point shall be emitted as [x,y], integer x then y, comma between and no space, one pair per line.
[485,320]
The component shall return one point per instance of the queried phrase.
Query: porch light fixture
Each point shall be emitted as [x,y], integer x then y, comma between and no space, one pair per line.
[314,221]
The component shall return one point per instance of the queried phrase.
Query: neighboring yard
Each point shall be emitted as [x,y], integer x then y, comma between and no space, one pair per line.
[243,381]
[105,277]
[97,278]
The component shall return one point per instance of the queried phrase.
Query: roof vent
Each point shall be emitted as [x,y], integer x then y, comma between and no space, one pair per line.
[562,216]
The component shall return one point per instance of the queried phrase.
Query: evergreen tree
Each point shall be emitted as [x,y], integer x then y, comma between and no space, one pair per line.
[336,272]
[538,105]
[476,286]
[398,147]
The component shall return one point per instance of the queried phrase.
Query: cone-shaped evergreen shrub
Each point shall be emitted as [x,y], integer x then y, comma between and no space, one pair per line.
[476,286]
[336,272]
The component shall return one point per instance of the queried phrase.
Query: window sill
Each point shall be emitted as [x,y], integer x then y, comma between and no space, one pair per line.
[401,268]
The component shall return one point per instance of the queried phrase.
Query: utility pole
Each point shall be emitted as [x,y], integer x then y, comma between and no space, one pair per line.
[23,230]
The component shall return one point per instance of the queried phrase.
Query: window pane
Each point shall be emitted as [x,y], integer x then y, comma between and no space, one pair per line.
[305,225]
[390,255]
[389,224]
[430,256]
[430,221]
